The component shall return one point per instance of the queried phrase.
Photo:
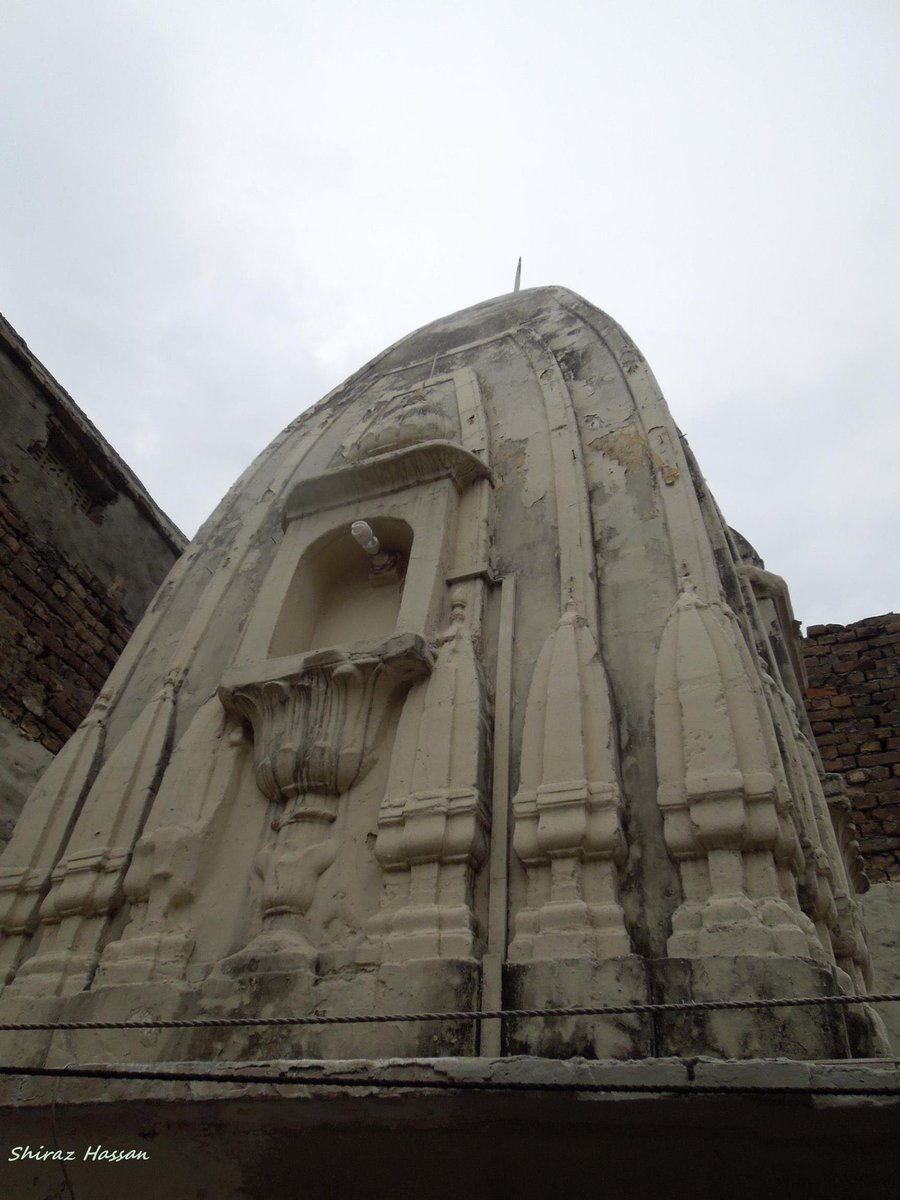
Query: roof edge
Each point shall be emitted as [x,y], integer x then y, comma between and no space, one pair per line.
[84,430]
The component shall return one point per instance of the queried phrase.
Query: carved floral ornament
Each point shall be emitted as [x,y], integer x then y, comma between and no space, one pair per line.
[315,725]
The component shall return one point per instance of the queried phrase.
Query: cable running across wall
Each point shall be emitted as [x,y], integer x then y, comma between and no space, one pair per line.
[464,1015]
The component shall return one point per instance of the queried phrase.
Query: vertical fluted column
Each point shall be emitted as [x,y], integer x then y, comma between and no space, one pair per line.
[433,822]
[171,858]
[568,810]
[40,835]
[719,795]
[86,885]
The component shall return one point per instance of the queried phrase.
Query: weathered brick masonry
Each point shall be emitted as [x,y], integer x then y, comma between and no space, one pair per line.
[83,549]
[61,631]
[853,701]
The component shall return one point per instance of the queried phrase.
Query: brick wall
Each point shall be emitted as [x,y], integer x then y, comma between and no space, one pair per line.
[853,700]
[61,631]
[83,549]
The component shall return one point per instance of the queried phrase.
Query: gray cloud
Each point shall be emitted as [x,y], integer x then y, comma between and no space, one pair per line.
[215,212]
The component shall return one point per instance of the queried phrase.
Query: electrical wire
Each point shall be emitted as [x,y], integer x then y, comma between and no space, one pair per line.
[463,1015]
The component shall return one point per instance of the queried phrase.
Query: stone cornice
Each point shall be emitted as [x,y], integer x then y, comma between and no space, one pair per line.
[383,474]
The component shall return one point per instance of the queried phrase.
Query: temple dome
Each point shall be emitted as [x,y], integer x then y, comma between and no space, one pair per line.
[470,686]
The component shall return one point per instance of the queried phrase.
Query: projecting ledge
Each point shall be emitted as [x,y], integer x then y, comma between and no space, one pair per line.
[444,1139]
[358,1081]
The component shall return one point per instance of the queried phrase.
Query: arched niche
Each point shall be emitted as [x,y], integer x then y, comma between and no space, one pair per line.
[335,598]
[317,593]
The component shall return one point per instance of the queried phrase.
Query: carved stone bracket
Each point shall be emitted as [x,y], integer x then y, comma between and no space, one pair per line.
[316,723]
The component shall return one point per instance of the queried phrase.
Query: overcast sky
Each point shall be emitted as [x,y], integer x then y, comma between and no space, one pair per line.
[213,212]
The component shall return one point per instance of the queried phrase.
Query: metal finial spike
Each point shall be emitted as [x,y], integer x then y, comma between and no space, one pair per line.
[518,282]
